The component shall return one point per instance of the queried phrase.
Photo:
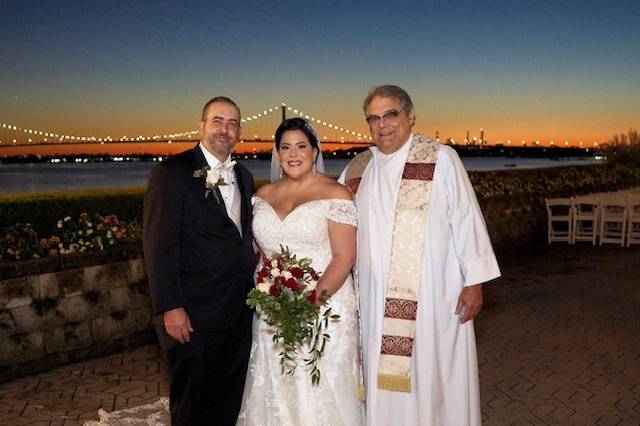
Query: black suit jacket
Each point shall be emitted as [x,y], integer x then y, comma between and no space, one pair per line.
[194,255]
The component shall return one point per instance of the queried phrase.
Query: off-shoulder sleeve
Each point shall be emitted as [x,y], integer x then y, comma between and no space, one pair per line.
[343,211]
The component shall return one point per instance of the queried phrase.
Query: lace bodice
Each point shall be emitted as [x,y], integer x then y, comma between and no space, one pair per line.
[303,230]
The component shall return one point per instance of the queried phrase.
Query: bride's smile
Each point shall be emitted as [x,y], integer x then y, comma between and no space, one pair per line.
[297,155]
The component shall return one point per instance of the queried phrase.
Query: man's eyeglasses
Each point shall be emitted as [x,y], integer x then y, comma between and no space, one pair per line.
[389,117]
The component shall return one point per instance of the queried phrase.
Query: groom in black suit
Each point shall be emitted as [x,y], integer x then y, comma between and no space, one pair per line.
[200,262]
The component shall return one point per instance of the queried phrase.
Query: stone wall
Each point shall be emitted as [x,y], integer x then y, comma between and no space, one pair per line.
[55,318]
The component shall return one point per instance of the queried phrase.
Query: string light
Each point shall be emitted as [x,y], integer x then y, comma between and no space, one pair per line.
[170,137]
[78,138]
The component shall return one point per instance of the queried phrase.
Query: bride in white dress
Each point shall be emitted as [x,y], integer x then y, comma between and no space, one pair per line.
[314,217]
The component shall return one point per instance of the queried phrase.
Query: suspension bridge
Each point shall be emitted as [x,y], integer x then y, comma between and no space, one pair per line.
[22,140]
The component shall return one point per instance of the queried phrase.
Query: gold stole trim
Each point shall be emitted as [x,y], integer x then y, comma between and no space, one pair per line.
[405,267]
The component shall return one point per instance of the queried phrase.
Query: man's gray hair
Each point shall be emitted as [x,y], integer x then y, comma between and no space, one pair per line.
[389,91]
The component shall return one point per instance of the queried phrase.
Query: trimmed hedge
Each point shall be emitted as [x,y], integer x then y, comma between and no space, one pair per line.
[553,182]
[43,211]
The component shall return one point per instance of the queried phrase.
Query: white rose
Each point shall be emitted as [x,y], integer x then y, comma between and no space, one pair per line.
[287,275]
[263,287]
[274,264]
[275,272]
[213,176]
[311,285]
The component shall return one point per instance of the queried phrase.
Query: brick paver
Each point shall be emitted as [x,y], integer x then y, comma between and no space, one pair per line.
[559,338]
[558,344]
[73,394]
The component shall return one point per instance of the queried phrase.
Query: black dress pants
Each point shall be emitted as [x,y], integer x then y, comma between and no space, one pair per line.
[207,375]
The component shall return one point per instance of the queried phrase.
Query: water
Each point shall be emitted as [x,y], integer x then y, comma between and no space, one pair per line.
[46,177]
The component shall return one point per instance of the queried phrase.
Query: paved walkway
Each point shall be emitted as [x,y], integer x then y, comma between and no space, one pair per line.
[558,343]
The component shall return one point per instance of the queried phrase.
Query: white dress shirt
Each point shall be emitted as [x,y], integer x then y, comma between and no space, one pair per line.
[230,192]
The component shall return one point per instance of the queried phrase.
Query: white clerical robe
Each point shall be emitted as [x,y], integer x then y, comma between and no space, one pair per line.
[457,253]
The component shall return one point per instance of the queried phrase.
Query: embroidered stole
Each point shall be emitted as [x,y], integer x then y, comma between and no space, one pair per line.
[405,266]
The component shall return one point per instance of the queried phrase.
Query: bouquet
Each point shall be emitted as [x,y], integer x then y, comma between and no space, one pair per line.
[286,296]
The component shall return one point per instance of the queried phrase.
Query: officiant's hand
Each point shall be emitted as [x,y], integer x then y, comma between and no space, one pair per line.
[469,302]
[177,324]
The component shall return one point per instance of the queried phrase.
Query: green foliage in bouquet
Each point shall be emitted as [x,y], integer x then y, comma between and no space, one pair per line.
[287,298]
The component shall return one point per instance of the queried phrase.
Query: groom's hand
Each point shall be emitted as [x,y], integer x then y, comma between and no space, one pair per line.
[177,324]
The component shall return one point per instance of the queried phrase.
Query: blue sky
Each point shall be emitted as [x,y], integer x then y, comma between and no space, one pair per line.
[533,70]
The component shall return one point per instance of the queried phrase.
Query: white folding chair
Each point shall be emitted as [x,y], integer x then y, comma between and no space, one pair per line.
[585,218]
[633,223]
[559,219]
[613,218]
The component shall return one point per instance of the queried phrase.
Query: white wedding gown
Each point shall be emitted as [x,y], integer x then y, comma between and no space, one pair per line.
[275,399]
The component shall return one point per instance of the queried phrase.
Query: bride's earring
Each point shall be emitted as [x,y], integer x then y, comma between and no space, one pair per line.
[281,172]
[314,170]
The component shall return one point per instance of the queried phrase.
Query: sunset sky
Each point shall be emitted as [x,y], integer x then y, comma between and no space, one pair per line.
[567,70]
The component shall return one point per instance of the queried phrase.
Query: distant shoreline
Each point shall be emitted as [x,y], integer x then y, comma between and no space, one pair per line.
[42,177]
[75,153]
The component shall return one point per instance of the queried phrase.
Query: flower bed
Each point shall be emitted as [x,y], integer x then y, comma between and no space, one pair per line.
[70,236]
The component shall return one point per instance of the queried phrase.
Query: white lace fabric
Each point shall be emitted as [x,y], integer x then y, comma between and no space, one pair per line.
[156,414]
[272,398]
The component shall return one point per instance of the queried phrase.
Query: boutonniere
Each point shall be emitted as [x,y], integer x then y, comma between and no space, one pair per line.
[213,180]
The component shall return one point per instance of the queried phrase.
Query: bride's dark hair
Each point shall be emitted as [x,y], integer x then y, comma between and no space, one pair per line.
[297,123]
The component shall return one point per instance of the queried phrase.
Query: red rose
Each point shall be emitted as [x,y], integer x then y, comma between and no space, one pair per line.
[260,277]
[279,280]
[314,274]
[296,272]
[312,297]
[274,291]
[292,284]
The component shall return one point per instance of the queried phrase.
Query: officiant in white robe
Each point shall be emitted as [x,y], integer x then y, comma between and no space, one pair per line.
[452,258]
